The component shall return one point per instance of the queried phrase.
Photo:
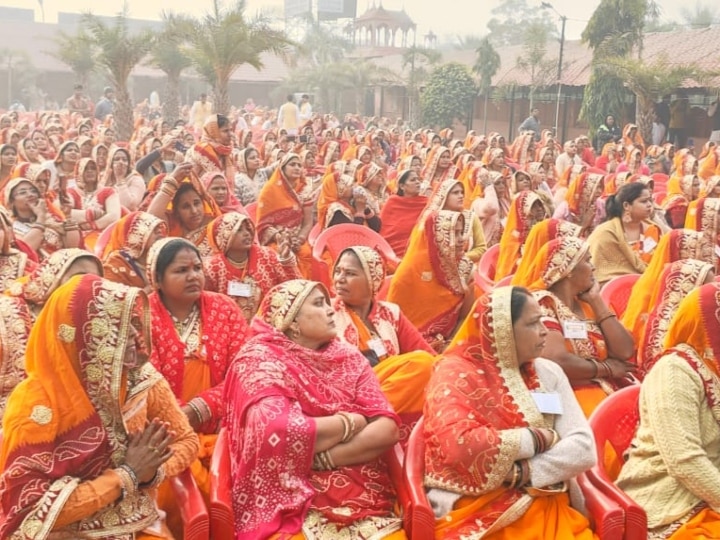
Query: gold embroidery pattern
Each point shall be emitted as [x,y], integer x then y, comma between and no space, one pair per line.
[15,325]
[66,333]
[446,243]
[46,278]
[139,233]
[41,415]
[281,305]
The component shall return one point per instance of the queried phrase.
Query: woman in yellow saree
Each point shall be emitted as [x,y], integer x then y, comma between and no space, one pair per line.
[673,470]
[499,464]
[94,428]
[525,211]
[705,218]
[399,355]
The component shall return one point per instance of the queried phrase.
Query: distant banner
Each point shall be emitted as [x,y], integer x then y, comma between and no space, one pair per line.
[297,8]
[337,9]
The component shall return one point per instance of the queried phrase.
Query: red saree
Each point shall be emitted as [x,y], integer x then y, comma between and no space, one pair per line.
[398,216]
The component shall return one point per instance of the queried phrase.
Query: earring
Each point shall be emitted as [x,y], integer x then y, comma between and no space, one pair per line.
[295,333]
[626,217]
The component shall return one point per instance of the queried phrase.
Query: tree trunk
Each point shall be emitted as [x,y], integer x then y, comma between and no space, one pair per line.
[171,99]
[487,91]
[222,99]
[644,117]
[123,113]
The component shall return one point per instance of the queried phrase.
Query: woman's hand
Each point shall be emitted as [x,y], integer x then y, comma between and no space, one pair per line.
[192,417]
[149,449]
[590,295]
[40,211]
[181,172]
[284,245]
[620,368]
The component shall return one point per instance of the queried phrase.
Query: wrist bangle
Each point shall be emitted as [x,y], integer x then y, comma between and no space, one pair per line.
[596,365]
[351,425]
[605,317]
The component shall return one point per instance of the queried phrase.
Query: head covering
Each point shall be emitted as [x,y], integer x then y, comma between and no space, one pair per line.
[541,234]
[517,228]
[679,191]
[582,194]
[553,262]
[108,178]
[132,232]
[705,218]
[279,199]
[154,254]
[72,398]
[372,264]
[282,303]
[222,230]
[333,184]
[677,281]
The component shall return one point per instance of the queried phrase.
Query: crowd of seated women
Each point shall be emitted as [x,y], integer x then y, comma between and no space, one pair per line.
[151,297]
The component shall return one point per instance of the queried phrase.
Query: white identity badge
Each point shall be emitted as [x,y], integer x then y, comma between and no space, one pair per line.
[378,347]
[238,288]
[649,244]
[548,403]
[575,330]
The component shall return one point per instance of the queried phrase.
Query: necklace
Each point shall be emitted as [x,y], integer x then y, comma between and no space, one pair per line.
[238,264]
[189,329]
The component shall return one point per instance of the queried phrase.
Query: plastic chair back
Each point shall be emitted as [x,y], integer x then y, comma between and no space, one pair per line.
[102,241]
[485,274]
[504,282]
[314,233]
[195,518]
[659,182]
[419,516]
[616,292]
[222,518]
[251,210]
[385,288]
[659,197]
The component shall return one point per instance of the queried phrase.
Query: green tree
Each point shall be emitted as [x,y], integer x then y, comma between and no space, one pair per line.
[649,81]
[364,74]
[614,31]
[511,19]
[487,64]
[77,52]
[118,51]
[448,95]
[168,56]
[532,59]
[224,39]
[417,61]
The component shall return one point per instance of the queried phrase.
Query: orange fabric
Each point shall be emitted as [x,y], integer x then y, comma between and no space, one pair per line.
[548,518]
[515,233]
[704,524]
[330,190]
[540,235]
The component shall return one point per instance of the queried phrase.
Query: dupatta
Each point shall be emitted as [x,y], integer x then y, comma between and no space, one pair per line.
[677,281]
[516,230]
[334,183]
[64,423]
[481,396]
[279,205]
[273,389]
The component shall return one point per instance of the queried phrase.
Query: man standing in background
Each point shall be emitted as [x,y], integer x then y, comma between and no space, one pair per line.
[289,117]
[199,112]
[532,123]
[305,109]
[78,103]
[105,105]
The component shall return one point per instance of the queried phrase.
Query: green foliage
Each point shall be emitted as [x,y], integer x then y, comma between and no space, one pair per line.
[448,95]
[468,42]
[77,52]
[532,59]
[487,63]
[604,94]
[511,19]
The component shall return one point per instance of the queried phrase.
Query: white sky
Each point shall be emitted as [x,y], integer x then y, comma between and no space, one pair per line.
[443,17]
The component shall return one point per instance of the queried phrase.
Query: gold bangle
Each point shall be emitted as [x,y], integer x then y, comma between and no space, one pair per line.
[605,318]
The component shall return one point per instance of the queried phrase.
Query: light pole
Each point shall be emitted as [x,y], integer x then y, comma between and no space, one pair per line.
[563,18]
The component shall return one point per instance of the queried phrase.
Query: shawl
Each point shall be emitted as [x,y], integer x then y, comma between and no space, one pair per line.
[612,254]
[430,283]
[519,223]
[479,395]
[279,204]
[209,154]
[132,233]
[581,196]
[64,423]
[333,186]
[398,216]
[677,281]
[232,204]
[554,261]
[679,194]
[674,246]
[431,168]
[262,271]
[273,390]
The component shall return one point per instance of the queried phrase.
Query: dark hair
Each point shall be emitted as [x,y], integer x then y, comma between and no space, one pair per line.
[182,190]
[290,97]
[518,299]
[401,181]
[78,87]
[222,120]
[167,255]
[626,194]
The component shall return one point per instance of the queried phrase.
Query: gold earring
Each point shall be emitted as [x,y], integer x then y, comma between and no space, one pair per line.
[626,217]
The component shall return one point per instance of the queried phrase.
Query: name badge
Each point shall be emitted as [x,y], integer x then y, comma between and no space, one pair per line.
[238,288]
[649,244]
[548,403]
[575,330]
[378,347]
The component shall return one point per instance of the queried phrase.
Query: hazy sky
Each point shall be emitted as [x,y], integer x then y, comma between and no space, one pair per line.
[445,17]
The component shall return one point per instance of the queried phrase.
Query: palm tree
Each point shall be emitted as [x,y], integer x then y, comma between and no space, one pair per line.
[362,74]
[169,57]
[419,60]
[487,64]
[119,51]
[224,40]
[77,52]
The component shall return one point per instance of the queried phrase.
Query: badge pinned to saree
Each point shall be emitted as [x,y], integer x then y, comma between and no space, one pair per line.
[426,276]
[238,288]
[649,244]
[548,403]
[378,347]
[575,330]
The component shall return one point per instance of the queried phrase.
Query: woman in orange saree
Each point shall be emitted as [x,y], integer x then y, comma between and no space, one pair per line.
[431,284]
[705,218]
[682,191]
[281,211]
[673,469]
[89,388]
[631,137]
[584,336]
[125,256]
[580,204]
[402,211]
[242,269]
[398,354]
[302,400]
[195,336]
[676,281]
[677,245]
[438,167]
[496,466]
[525,211]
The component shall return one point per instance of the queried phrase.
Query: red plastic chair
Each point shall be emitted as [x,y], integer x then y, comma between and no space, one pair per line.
[419,516]
[314,233]
[102,241]
[385,288]
[251,210]
[616,292]
[222,519]
[607,517]
[335,239]
[485,273]
[659,197]
[659,182]
[504,282]
[615,422]
[195,518]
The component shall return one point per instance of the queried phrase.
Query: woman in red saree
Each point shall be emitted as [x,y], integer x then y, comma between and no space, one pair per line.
[101,418]
[216,186]
[214,151]
[438,167]
[125,256]
[242,269]
[677,281]
[281,211]
[431,284]
[307,425]
[682,191]
[401,211]
[195,334]
[497,466]
[398,354]
[14,263]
